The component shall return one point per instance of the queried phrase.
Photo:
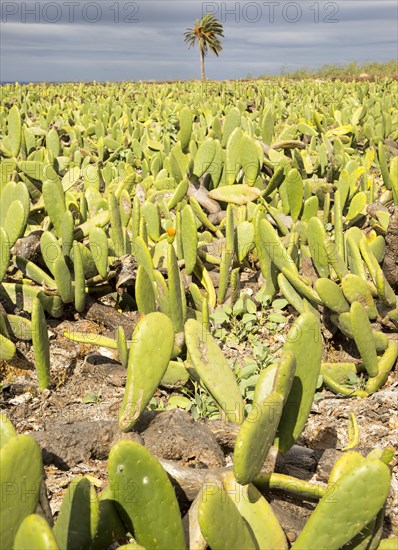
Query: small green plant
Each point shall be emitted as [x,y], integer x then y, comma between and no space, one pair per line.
[244,321]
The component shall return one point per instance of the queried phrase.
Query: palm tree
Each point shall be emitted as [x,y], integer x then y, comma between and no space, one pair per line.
[206,33]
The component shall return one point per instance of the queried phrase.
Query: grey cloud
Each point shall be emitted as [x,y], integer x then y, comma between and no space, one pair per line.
[153,48]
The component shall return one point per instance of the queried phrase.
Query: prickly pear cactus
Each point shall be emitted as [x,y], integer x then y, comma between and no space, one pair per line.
[363,336]
[41,345]
[21,474]
[150,352]
[361,490]
[145,497]
[255,438]
[221,523]
[110,526]
[34,532]
[78,517]
[257,512]
[305,341]
[331,295]
[213,369]
[7,430]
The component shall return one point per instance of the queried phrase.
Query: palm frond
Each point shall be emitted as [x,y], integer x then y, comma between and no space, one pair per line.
[207,32]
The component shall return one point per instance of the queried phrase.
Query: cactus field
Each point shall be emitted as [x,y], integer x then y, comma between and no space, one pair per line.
[198,315]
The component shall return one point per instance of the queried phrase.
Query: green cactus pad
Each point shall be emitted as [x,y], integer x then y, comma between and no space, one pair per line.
[204,157]
[394,178]
[388,544]
[143,256]
[189,238]
[175,290]
[331,295]
[383,163]
[378,247]
[12,141]
[179,194]
[162,293]
[191,523]
[232,120]
[145,497]
[184,135]
[116,232]
[50,249]
[55,261]
[347,461]
[150,352]
[270,244]
[41,344]
[99,249]
[34,272]
[363,336]
[232,156]
[305,341]
[121,343]
[275,181]
[290,293]
[34,532]
[385,363]
[381,341]
[302,288]
[337,377]
[150,213]
[225,266]
[365,539]
[91,339]
[78,517]
[221,523]
[362,492]
[7,348]
[5,252]
[255,438]
[176,375]
[7,430]
[79,287]
[23,296]
[237,194]
[54,202]
[335,260]
[357,206]
[356,289]
[310,209]
[258,513]
[316,241]
[294,189]
[21,474]
[213,369]
[244,234]
[15,221]
[249,159]
[265,384]
[144,293]
[291,485]
[18,327]
[98,220]
[110,526]
[354,257]
[384,290]
[285,373]
[52,142]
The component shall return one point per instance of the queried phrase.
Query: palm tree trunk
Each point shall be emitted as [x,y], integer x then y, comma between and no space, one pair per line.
[202,65]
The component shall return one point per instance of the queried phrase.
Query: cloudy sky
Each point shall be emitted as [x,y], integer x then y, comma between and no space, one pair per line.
[70,40]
